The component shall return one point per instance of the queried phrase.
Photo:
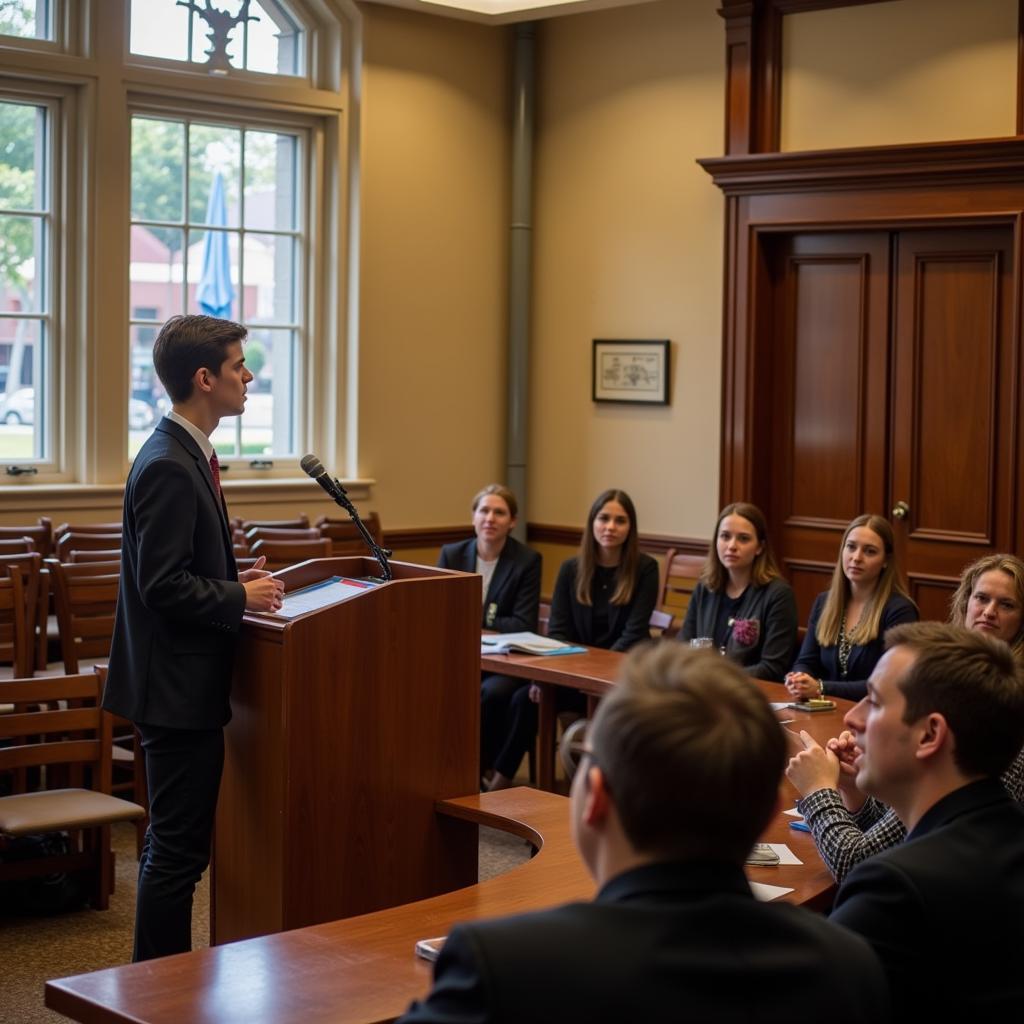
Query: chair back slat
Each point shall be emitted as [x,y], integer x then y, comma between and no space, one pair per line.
[679,579]
[86,597]
[345,537]
[51,720]
[36,755]
[300,522]
[41,534]
[105,555]
[256,533]
[85,541]
[16,648]
[18,546]
[282,553]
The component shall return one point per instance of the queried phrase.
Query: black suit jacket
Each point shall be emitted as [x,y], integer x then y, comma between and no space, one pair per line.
[629,623]
[823,662]
[180,603]
[665,942]
[514,591]
[945,910]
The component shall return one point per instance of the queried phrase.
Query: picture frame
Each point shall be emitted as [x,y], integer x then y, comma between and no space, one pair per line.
[630,372]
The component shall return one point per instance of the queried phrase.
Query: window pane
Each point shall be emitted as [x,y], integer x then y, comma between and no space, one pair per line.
[270,180]
[159,29]
[213,273]
[272,45]
[267,424]
[22,156]
[148,401]
[203,39]
[157,271]
[28,19]
[23,431]
[214,154]
[22,257]
[158,166]
[270,279]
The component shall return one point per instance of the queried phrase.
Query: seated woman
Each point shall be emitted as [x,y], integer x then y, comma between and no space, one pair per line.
[511,597]
[848,622]
[603,597]
[848,828]
[742,602]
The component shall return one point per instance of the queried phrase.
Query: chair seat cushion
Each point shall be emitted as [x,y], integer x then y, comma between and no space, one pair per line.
[49,811]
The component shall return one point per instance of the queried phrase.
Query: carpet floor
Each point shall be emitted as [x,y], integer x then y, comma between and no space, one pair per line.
[36,948]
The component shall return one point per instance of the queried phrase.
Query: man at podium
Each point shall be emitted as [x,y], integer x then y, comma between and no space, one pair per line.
[179,609]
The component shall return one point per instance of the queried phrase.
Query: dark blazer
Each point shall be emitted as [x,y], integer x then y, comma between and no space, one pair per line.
[823,662]
[773,606]
[180,603]
[665,942]
[630,623]
[514,592]
[945,910]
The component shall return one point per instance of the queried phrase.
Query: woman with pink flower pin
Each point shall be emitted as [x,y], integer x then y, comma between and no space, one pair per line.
[742,603]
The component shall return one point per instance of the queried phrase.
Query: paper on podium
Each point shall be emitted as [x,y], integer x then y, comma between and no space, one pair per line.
[321,595]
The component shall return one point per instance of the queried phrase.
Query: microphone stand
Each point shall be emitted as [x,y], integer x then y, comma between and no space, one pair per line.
[381,554]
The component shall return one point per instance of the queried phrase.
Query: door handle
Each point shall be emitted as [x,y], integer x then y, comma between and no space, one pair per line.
[901,511]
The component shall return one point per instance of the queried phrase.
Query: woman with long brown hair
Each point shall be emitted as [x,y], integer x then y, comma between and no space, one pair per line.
[742,603]
[848,622]
[603,597]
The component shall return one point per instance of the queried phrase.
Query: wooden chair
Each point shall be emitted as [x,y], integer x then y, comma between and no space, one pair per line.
[29,566]
[114,527]
[74,540]
[105,555]
[15,648]
[678,580]
[41,534]
[16,546]
[345,538]
[78,736]
[85,594]
[282,553]
[300,522]
[256,533]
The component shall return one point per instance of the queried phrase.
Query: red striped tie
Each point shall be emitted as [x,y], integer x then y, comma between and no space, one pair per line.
[215,470]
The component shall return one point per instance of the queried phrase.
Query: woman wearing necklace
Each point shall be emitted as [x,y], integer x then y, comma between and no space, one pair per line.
[603,597]
[846,630]
[741,602]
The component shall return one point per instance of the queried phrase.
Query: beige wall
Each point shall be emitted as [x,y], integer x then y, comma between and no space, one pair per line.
[435,154]
[913,71]
[628,245]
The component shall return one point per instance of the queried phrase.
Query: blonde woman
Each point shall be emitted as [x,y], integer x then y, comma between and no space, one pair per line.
[847,626]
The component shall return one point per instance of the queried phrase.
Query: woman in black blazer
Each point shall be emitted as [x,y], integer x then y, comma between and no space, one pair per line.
[511,598]
[742,603]
[846,631]
[603,597]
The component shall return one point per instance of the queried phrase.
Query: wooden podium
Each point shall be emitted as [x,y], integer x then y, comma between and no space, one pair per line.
[349,723]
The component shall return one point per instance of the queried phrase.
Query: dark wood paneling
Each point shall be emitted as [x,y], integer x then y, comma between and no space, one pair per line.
[425,536]
[808,580]
[652,543]
[932,594]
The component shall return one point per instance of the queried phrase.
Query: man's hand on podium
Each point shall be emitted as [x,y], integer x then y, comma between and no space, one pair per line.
[263,593]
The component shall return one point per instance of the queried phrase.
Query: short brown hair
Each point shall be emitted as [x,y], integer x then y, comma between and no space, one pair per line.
[692,751]
[973,681]
[189,343]
[501,491]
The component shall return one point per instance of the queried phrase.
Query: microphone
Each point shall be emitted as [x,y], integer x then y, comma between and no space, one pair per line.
[312,466]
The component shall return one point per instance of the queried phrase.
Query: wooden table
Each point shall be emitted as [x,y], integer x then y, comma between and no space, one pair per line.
[596,672]
[363,970]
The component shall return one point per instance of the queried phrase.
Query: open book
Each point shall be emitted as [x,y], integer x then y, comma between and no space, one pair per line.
[526,643]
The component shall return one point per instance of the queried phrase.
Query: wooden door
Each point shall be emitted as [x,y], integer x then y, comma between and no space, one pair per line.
[893,381]
[954,371]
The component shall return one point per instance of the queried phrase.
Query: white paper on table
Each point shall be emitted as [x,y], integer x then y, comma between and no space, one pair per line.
[780,705]
[786,855]
[321,595]
[793,813]
[766,893]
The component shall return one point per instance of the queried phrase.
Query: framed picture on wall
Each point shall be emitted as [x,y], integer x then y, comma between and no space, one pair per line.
[635,372]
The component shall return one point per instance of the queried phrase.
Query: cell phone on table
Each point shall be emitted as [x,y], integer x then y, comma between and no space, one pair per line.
[430,949]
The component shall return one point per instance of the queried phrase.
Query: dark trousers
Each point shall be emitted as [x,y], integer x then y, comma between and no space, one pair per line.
[521,731]
[496,693]
[183,769]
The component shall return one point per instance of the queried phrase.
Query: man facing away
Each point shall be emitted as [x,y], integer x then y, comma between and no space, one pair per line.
[179,609]
[680,777]
[943,718]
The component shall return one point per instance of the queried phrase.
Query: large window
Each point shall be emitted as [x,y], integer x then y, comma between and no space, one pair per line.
[26,19]
[266,36]
[25,279]
[217,216]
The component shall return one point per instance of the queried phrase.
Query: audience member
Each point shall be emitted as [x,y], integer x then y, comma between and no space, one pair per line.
[742,603]
[511,597]
[603,597]
[847,626]
[849,827]
[680,777]
[943,718]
